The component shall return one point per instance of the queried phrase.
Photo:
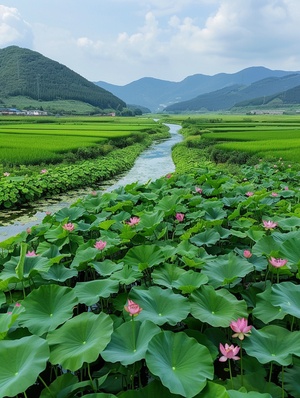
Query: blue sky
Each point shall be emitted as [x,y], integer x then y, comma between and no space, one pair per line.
[119,41]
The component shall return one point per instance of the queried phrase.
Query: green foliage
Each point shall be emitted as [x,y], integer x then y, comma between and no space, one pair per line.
[145,315]
[29,74]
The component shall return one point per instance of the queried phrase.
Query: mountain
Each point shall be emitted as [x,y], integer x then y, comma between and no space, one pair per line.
[288,97]
[157,94]
[27,73]
[228,97]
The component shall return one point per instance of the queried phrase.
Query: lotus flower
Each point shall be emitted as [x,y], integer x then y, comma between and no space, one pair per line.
[247,254]
[249,193]
[229,352]
[179,217]
[133,308]
[269,224]
[31,253]
[198,190]
[277,262]
[274,194]
[44,171]
[6,174]
[69,227]
[241,328]
[133,221]
[100,244]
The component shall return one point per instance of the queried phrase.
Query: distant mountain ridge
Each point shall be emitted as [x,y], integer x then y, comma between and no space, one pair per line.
[159,94]
[28,73]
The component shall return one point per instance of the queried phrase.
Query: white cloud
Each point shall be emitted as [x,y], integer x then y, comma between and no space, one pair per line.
[13,29]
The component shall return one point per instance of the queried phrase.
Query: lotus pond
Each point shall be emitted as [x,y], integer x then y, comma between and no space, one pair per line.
[186,286]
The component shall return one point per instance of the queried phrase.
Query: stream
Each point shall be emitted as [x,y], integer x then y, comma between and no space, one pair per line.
[153,163]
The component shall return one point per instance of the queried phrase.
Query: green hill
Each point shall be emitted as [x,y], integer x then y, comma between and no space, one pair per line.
[29,74]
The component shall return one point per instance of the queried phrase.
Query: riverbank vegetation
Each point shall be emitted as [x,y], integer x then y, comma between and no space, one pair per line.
[48,157]
[196,273]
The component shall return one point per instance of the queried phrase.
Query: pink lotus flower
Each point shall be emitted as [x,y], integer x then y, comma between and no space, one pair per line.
[247,254]
[31,253]
[28,230]
[179,217]
[6,174]
[69,227]
[48,213]
[241,328]
[94,193]
[133,221]
[269,224]
[277,262]
[133,308]
[249,193]
[44,171]
[100,244]
[17,305]
[274,194]
[169,175]
[229,352]
[198,190]
[286,188]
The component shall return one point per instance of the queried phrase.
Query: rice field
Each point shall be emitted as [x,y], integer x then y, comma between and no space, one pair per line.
[46,140]
[279,137]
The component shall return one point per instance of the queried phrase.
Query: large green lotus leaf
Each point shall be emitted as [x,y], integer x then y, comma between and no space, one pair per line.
[144,256]
[286,295]
[47,307]
[264,310]
[216,307]
[153,389]
[126,275]
[254,234]
[168,204]
[174,358]
[265,246]
[84,256]
[129,342]
[213,390]
[291,251]
[214,213]
[99,395]
[106,267]
[289,223]
[21,267]
[149,220]
[160,305]
[52,252]
[189,281]
[89,292]
[208,238]
[291,379]
[272,343]
[59,273]
[226,270]
[21,362]
[71,213]
[251,394]
[185,248]
[59,387]
[79,340]
[166,275]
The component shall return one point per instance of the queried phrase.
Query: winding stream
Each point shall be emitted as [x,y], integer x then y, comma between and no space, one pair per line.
[153,163]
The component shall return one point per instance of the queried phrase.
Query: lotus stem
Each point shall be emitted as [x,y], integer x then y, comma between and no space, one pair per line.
[46,386]
[292,323]
[242,370]
[230,373]
[90,377]
[282,382]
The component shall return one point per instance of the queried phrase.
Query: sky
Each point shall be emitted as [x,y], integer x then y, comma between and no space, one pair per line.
[120,41]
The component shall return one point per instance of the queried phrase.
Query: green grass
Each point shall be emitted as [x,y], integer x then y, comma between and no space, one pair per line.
[46,140]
